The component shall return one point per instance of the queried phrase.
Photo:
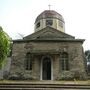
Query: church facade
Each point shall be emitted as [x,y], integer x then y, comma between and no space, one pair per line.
[49,53]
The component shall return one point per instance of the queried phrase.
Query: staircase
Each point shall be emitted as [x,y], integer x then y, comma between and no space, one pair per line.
[42,86]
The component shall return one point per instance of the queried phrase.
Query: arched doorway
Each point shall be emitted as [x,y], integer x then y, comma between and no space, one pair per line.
[46,68]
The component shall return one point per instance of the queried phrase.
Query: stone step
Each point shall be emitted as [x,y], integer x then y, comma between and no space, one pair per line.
[32,86]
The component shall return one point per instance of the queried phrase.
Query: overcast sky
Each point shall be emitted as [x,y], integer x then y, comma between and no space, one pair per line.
[18,16]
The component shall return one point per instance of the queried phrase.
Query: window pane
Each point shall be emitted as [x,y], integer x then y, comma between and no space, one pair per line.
[61,24]
[49,22]
[62,64]
[64,61]
[67,68]
[31,64]
[27,56]
[28,62]
[38,25]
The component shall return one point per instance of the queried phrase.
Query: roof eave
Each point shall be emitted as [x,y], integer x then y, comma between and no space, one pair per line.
[44,40]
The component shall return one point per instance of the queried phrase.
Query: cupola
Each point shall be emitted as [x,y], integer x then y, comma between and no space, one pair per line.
[50,18]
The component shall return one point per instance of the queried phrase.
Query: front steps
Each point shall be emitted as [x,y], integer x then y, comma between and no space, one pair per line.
[42,86]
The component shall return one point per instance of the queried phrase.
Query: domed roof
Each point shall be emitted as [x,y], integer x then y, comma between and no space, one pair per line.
[49,14]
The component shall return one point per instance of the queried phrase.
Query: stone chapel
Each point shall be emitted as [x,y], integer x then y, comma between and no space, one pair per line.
[49,53]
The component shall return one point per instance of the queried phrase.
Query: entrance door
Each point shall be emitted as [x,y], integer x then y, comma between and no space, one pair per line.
[46,69]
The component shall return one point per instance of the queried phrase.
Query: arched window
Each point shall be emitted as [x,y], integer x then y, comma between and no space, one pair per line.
[28,64]
[64,61]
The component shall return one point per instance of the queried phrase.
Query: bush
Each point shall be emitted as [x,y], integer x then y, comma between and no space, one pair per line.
[66,75]
[20,76]
[5,74]
[71,75]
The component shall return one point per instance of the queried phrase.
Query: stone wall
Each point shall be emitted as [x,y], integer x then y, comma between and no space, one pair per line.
[17,62]
[4,71]
[39,49]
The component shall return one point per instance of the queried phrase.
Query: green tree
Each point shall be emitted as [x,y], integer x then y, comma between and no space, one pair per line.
[4,46]
[87,54]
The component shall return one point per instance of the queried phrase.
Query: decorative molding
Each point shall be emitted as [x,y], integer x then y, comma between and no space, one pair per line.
[28,46]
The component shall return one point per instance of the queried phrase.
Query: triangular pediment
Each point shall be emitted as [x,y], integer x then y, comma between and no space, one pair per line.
[48,33]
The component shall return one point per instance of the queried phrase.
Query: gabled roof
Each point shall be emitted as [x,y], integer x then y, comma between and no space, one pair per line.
[49,33]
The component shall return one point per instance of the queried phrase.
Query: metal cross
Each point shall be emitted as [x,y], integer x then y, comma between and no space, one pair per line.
[49,6]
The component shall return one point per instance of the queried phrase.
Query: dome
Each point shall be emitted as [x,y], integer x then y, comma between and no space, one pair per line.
[49,18]
[49,14]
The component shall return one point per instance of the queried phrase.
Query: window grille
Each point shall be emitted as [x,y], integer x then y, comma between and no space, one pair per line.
[64,61]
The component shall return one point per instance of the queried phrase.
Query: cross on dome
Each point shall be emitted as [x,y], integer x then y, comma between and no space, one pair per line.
[49,6]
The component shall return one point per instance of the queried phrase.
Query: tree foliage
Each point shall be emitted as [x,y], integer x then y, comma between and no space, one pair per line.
[87,54]
[4,45]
